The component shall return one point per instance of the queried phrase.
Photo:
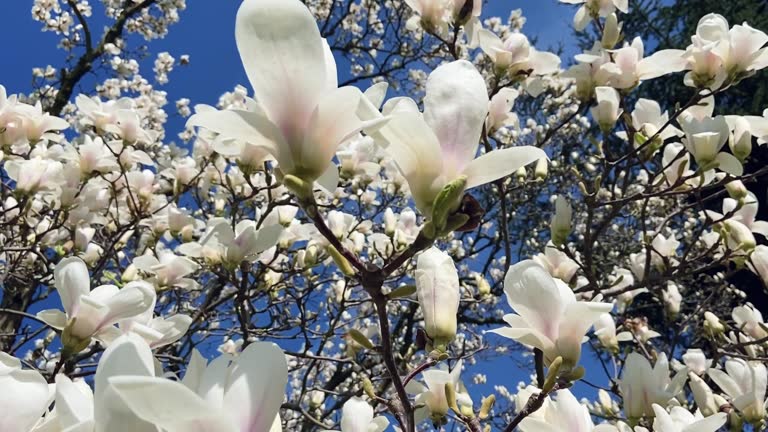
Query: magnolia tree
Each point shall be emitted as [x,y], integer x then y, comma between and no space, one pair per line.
[352,255]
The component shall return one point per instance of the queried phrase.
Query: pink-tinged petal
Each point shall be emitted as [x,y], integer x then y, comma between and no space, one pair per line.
[500,163]
[128,355]
[661,63]
[455,107]
[23,399]
[333,121]
[72,281]
[252,127]
[169,405]
[257,387]
[284,58]
[172,329]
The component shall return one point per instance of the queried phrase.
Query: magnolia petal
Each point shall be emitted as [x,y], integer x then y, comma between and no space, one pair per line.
[72,281]
[544,63]
[500,163]
[412,145]
[455,107]
[74,402]
[127,355]
[376,93]
[712,423]
[53,317]
[256,386]
[169,405]
[23,399]
[329,180]
[249,126]
[356,416]
[729,164]
[333,121]
[725,382]
[489,42]
[284,58]
[268,237]
[661,63]
[134,299]
[533,294]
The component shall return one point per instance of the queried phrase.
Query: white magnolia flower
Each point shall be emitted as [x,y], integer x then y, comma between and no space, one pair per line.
[750,320]
[88,312]
[439,146]
[24,398]
[704,138]
[300,115]
[696,361]
[515,55]
[500,110]
[357,416]
[745,383]
[605,330]
[244,243]
[718,53]
[557,263]
[437,286]
[431,394]
[642,386]
[563,414]
[229,395]
[168,269]
[548,315]
[630,66]
[595,8]
[680,419]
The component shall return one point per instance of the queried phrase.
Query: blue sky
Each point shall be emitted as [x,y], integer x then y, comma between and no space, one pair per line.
[206,33]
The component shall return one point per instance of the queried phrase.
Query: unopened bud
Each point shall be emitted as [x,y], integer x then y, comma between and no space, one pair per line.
[740,141]
[344,266]
[611,31]
[713,324]
[485,408]
[360,338]
[542,169]
[736,190]
[561,221]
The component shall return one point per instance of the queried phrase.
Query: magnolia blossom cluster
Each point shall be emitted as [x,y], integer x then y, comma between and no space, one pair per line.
[348,254]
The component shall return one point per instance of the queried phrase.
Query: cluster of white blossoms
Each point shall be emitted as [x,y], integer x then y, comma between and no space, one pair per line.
[348,253]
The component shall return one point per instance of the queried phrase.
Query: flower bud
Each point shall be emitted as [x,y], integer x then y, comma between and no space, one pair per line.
[740,140]
[542,169]
[713,324]
[736,190]
[437,287]
[738,236]
[703,395]
[611,31]
[608,108]
[390,222]
[561,221]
